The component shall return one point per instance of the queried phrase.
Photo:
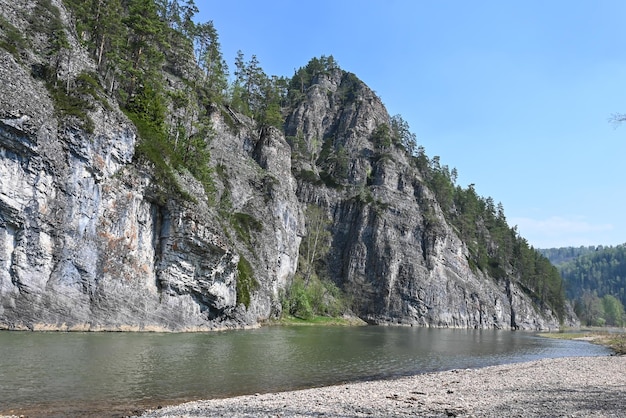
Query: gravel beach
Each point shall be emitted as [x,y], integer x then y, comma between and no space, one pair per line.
[564,387]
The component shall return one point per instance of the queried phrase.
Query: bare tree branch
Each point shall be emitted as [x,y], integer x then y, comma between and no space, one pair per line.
[616,119]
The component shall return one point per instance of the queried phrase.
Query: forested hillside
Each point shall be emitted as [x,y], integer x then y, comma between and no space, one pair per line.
[560,256]
[391,227]
[595,279]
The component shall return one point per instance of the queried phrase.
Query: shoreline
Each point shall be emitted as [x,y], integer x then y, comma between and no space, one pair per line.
[569,386]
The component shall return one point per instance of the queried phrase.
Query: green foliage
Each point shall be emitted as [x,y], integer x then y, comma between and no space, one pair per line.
[11,39]
[334,162]
[257,95]
[220,169]
[349,87]
[45,18]
[71,105]
[398,134]
[298,144]
[244,225]
[146,103]
[465,200]
[326,152]
[102,28]
[308,176]
[494,247]
[304,77]
[152,142]
[130,41]
[73,98]
[289,320]
[154,148]
[143,55]
[77,102]
[135,41]
[422,162]
[87,84]
[316,243]
[192,150]
[595,279]
[209,58]
[381,136]
[49,16]
[246,283]
[297,301]
[329,180]
[559,256]
[318,297]
[595,311]
[225,204]
[364,196]
[402,134]
[166,155]
[271,115]
[613,311]
[341,162]
[593,270]
[309,295]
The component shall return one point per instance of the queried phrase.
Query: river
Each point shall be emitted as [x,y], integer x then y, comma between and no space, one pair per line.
[118,373]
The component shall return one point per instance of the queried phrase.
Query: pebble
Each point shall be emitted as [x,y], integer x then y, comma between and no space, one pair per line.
[565,387]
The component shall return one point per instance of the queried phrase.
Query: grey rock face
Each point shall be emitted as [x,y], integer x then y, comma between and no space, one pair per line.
[86,243]
[255,185]
[88,240]
[393,251]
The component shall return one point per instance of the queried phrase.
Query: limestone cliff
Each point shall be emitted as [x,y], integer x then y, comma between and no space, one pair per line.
[393,250]
[89,239]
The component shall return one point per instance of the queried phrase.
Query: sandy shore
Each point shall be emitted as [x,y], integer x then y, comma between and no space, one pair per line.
[565,387]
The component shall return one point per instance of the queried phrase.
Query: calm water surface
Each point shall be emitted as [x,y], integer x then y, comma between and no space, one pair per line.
[89,373]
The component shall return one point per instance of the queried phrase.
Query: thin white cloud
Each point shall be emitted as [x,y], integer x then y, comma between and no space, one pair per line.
[558,231]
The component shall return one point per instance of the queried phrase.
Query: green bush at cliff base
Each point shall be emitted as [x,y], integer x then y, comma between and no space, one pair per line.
[348,320]
[316,298]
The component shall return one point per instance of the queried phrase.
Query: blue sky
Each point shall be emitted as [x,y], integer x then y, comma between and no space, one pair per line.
[515,94]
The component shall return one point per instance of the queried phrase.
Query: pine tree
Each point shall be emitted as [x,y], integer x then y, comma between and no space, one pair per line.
[209,58]
[146,32]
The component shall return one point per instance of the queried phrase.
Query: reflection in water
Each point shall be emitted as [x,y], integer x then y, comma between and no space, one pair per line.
[90,369]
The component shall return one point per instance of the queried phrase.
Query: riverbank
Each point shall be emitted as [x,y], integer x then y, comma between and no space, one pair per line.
[615,339]
[340,321]
[576,386]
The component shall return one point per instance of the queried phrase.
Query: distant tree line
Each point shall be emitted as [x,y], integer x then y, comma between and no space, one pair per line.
[559,256]
[595,280]
[593,310]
